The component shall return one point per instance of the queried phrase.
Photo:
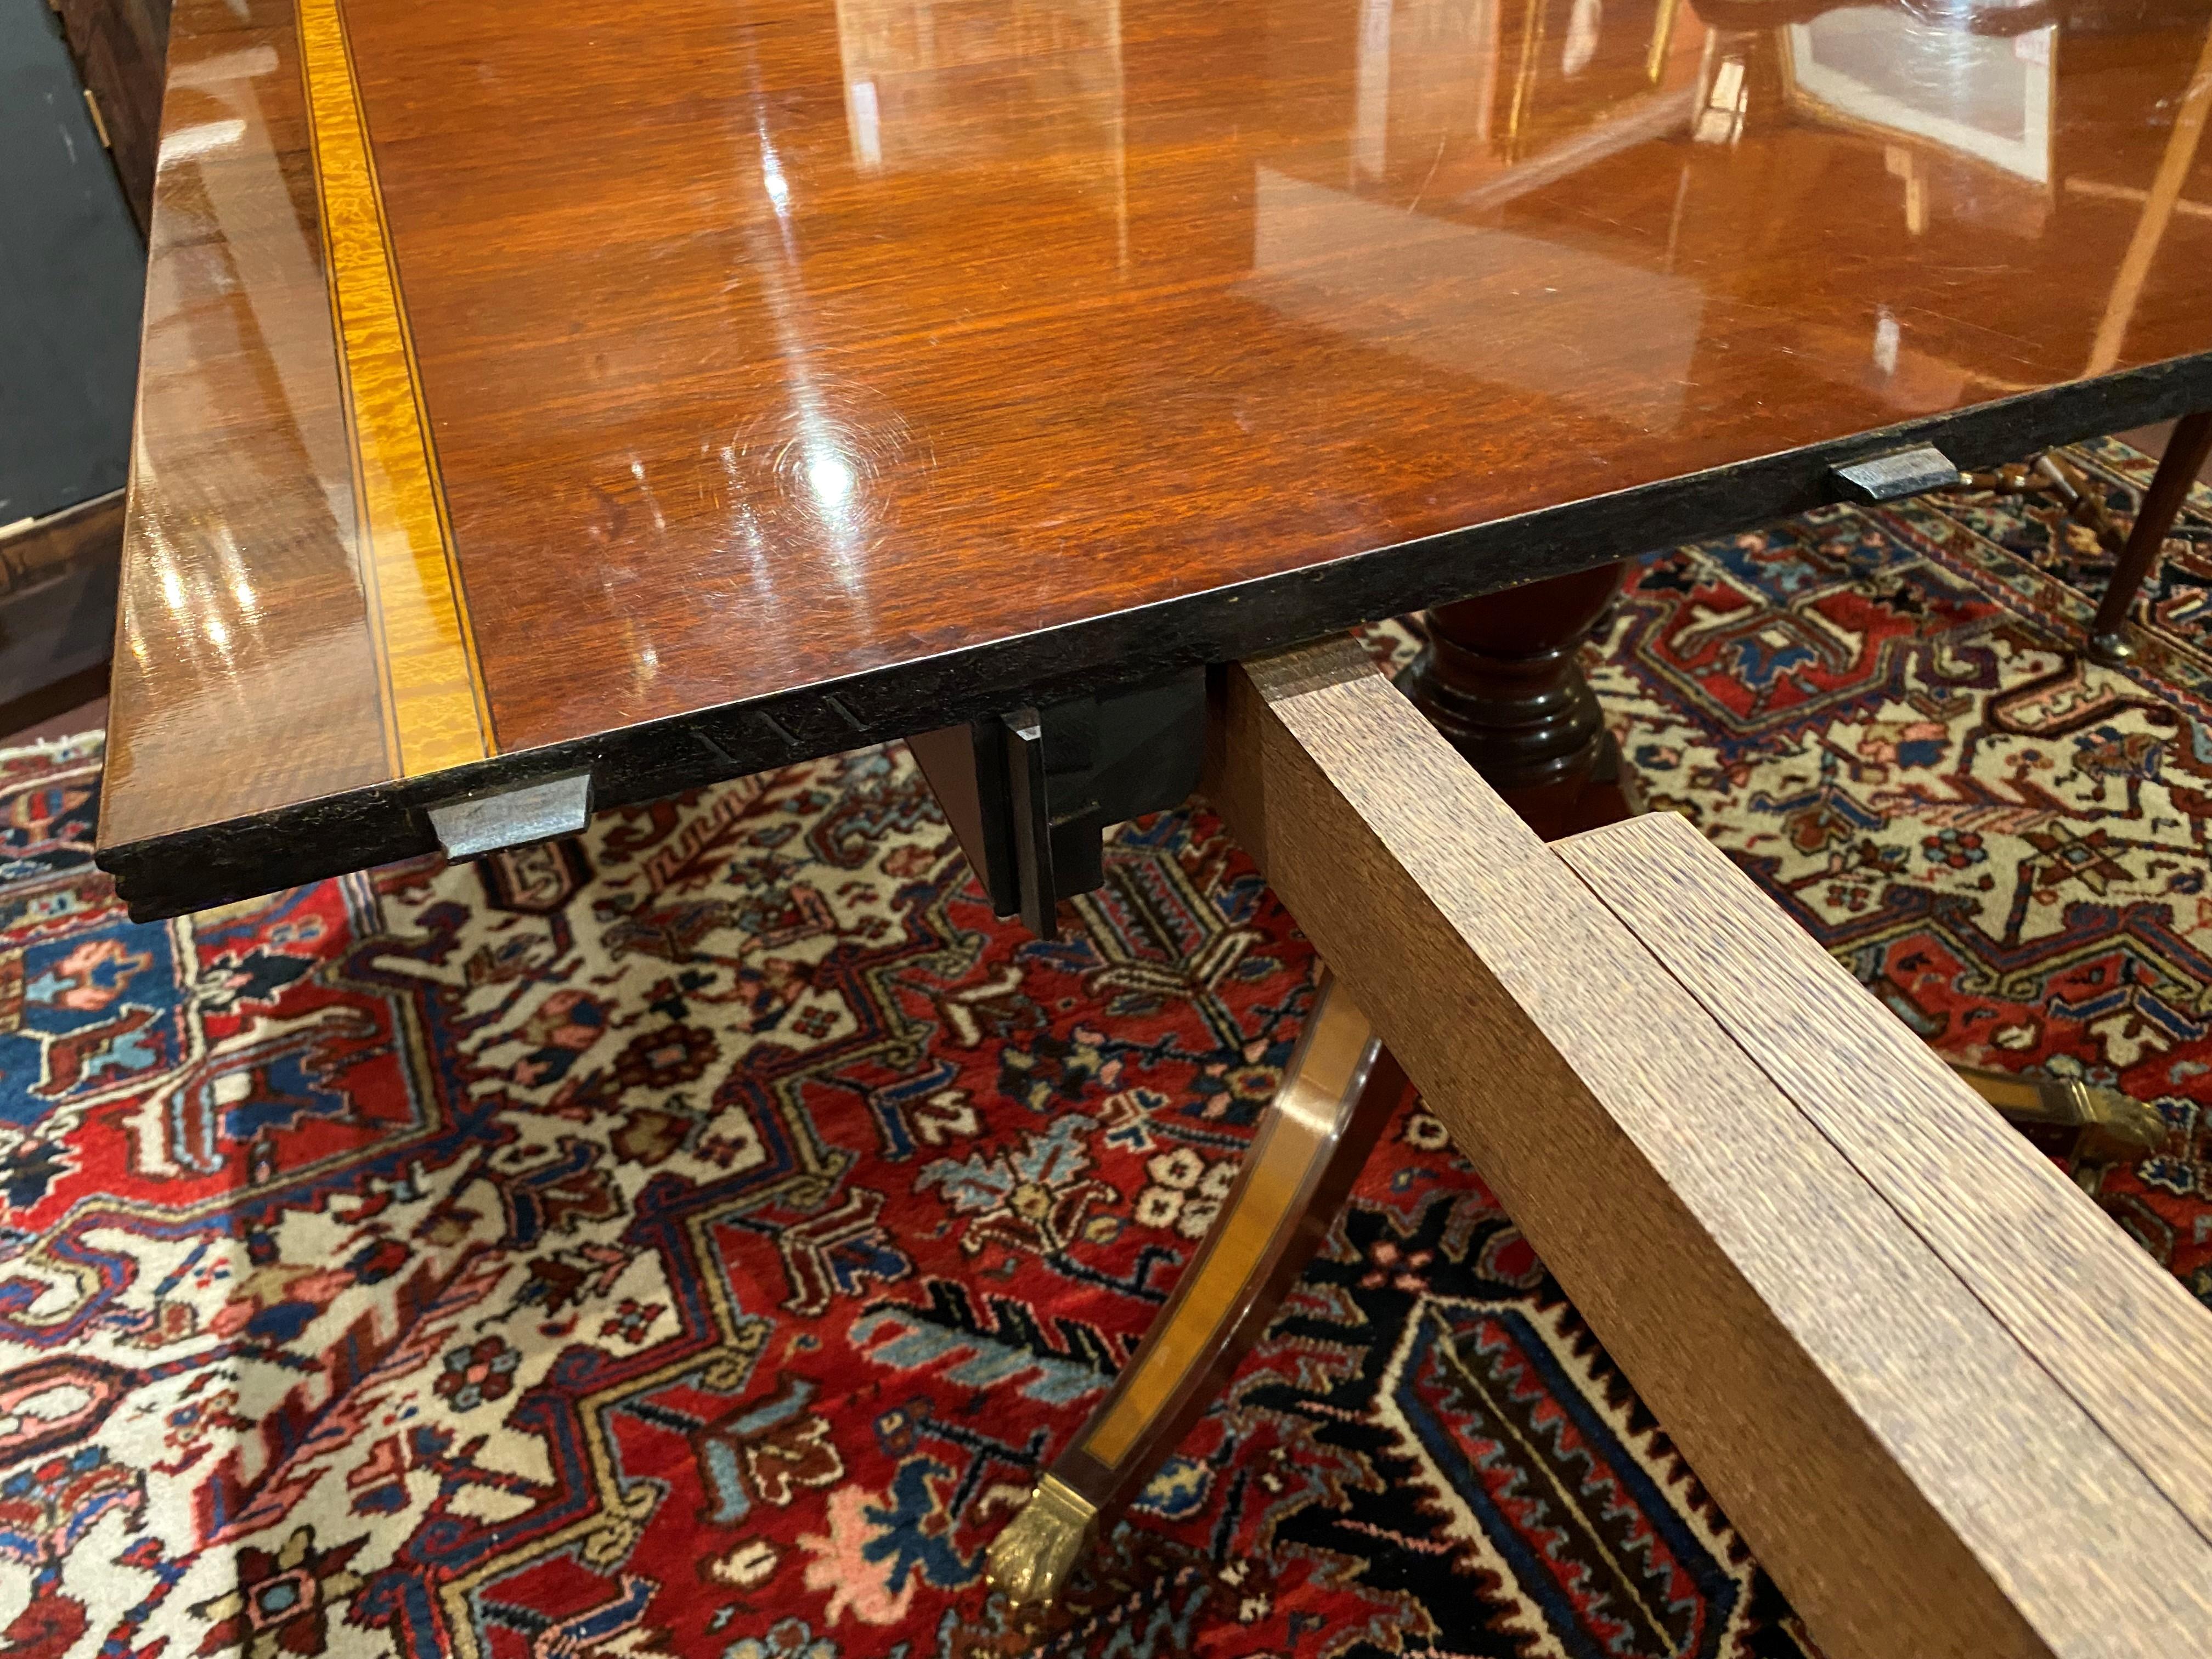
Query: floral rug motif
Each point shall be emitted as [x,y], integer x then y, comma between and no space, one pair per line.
[691,1238]
[694,1237]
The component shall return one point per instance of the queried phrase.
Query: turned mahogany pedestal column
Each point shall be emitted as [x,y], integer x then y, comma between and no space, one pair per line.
[1498,678]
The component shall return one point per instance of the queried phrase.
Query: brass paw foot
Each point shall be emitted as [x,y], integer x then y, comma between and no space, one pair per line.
[1031,1559]
[2108,1126]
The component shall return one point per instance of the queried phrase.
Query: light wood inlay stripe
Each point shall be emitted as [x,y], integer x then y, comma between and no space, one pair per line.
[435,713]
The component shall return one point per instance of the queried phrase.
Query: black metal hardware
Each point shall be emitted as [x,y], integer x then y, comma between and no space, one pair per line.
[1030,794]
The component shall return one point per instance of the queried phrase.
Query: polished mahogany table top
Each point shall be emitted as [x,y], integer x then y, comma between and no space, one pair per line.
[676,390]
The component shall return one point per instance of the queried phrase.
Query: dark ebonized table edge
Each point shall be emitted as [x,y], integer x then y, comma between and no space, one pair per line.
[168,875]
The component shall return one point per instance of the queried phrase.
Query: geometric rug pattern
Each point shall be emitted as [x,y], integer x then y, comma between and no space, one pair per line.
[691,1238]
[1884,715]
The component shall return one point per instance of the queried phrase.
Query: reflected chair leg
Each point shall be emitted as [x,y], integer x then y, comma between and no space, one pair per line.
[1336,1096]
[2186,453]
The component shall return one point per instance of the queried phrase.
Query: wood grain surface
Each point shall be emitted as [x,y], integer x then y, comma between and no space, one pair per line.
[2116,1331]
[245,675]
[1899,1458]
[33,550]
[842,334]
[806,372]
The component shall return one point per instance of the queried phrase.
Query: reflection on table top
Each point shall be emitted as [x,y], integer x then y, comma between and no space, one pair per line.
[515,375]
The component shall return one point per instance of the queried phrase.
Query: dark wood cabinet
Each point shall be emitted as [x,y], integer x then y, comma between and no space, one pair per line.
[120,47]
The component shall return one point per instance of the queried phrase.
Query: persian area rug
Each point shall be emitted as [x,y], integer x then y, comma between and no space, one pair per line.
[688,1240]
[693,1239]
[1885,716]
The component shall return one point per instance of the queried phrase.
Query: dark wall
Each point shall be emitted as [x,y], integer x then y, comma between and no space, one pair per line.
[72,273]
[121,48]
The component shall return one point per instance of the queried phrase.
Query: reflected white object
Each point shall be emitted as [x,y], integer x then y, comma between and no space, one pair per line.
[1424,289]
[204,139]
[1984,96]
[1370,114]
[1887,338]
[867,117]
[910,100]
[1582,36]
[220,70]
[1721,118]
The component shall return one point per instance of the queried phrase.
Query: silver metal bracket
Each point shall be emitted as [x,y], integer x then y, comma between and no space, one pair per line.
[508,817]
[1895,476]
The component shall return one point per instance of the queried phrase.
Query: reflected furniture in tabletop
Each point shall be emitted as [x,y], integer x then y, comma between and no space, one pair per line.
[543,411]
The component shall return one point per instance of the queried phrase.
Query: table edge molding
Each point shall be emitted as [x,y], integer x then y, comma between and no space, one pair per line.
[195,867]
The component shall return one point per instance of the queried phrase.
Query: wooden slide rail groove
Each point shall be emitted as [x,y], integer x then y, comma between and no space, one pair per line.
[1949,1404]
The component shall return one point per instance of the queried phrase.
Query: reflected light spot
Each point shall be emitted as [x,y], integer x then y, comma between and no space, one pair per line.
[217,632]
[830,478]
[208,137]
[173,590]
[1887,336]
[867,124]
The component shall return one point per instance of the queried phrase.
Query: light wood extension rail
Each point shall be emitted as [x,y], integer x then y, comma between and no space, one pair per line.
[1951,1407]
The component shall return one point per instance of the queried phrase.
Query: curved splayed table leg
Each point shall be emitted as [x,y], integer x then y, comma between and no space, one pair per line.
[1337,1095]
